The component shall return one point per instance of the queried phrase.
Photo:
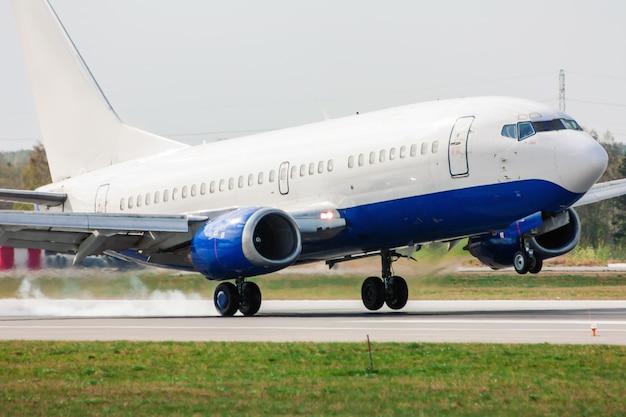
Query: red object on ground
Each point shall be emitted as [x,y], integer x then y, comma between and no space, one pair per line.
[34,259]
[7,258]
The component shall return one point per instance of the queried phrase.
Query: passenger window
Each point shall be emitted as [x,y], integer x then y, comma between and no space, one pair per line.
[302,170]
[122,204]
[525,130]
[311,168]
[261,179]
[174,193]
[222,185]
[392,154]
[351,161]
[294,172]
[148,199]
[250,180]
[139,200]
[272,175]
[240,181]
[435,146]
[402,151]
[413,150]
[212,187]
[203,188]
[184,192]
[156,197]
[194,190]
[361,160]
[231,183]
[166,195]
[424,149]
[320,166]
[330,166]
[381,156]
[130,202]
[372,157]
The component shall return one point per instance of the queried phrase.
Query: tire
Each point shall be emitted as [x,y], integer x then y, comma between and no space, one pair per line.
[397,293]
[536,263]
[226,299]
[250,299]
[373,293]
[521,262]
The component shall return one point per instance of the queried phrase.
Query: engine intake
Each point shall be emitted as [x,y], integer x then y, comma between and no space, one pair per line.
[246,242]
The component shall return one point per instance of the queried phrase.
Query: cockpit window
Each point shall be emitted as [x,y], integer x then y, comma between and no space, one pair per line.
[523,130]
[571,124]
[548,125]
[509,131]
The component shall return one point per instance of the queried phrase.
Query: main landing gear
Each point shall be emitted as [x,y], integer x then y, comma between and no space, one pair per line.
[390,289]
[245,297]
[525,260]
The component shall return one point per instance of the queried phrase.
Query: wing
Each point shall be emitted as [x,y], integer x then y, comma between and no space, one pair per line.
[603,191]
[156,239]
[85,234]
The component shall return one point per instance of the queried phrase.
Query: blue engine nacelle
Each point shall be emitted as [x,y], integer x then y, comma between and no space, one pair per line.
[246,242]
[555,235]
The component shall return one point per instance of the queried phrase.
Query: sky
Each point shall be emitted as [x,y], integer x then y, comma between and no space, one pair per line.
[198,70]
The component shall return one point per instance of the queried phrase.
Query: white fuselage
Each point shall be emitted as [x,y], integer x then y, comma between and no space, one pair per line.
[357,161]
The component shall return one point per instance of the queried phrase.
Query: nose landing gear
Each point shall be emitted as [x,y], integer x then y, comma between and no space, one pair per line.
[526,260]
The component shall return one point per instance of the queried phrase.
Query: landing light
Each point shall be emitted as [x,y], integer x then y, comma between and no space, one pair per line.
[327,215]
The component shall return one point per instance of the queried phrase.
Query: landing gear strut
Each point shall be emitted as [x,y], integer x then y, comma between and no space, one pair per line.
[525,260]
[245,297]
[390,289]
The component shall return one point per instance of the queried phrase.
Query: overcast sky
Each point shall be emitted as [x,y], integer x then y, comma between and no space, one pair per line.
[200,70]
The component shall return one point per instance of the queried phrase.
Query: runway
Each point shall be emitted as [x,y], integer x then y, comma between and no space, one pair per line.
[558,322]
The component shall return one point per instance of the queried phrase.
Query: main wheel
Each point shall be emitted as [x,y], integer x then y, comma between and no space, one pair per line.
[521,262]
[536,263]
[373,293]
[250,299]
[226,299]
[397,293]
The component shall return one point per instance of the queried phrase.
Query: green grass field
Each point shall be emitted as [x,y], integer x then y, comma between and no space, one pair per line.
[252,379]
[315,286]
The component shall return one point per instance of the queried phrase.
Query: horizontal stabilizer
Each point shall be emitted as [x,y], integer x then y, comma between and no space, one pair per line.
[32,197]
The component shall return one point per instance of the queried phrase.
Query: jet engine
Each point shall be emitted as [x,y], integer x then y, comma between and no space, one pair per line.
[554,235]
[246,242]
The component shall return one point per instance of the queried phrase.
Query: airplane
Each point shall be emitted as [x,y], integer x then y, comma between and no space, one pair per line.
[502,172]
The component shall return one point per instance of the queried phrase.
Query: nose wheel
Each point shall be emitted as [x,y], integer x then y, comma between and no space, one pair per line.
[525,260]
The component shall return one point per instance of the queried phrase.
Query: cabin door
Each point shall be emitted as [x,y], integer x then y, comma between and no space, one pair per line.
[100,205]
[283,178]
[457,148]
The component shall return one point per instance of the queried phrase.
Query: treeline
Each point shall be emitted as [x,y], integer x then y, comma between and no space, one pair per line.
[26,170]
[603,224]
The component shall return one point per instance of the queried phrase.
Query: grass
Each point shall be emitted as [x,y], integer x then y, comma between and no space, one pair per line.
[315,286]
[434,276]
[137,379]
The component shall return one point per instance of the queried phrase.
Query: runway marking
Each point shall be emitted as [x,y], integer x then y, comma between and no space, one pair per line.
[495,321]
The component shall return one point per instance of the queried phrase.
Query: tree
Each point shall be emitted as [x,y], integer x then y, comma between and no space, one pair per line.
[36,173]
[599,220]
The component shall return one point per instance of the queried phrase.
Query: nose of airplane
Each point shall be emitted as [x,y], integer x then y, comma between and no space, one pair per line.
[581,161]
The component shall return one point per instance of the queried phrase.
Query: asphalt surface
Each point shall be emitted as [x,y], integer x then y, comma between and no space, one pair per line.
[558,322]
